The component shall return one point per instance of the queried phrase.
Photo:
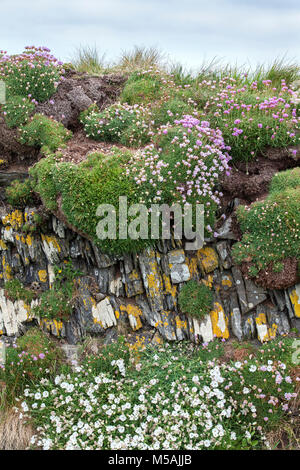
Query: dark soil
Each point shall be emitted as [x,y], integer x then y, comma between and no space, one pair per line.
[79,146]
[251,183]
[276,280]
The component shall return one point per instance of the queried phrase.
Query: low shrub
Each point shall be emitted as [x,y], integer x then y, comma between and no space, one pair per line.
[142,87]
[17,111]
[195,299]
[101,179]
[14,290]
[33,74]
[129,125]
[58,302]
[271,227]
[44,132]
[250,120]
[189,402]
[20,194]
[182,167]
[33,358]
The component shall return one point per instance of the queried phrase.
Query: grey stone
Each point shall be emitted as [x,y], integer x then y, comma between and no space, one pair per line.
[240,288]
[179,273]
[235,317]
[224,254]
[225,230]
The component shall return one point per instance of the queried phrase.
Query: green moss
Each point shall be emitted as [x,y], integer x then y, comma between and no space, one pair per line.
[195,299]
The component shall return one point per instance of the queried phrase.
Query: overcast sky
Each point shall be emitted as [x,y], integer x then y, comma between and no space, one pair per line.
[189,31]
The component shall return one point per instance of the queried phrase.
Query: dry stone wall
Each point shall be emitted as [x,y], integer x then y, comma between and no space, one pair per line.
[137,294]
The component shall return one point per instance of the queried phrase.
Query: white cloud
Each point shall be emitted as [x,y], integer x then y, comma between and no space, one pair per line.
[190,30]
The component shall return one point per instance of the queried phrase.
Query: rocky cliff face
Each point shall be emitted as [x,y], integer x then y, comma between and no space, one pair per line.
[136,295]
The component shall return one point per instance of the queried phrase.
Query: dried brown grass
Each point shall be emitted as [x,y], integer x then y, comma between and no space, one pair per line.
[14,433]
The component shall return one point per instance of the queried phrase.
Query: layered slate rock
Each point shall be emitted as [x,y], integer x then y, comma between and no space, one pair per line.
[135,294]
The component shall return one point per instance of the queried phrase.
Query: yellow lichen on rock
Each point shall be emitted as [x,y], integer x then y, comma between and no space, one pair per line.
[208,259]
[51,240]
[295,299]
[43,276]
[14,219]
[3,245]
[219,321]
[7,271]
[262,327]
[192,265]
[134,313]
[169,288]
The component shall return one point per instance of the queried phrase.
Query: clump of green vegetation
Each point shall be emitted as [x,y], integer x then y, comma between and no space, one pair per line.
[38,223]
[35,73]
[58,302]
[100,179]
[199,387]
[251,121]
[20,194]
[141,58]
[87,60]
[102,362]
[271,227]
[142,88]
[14,290]
[17,111]
[32,358]
[171,110]
[129,125]
[195,299]
[44,132]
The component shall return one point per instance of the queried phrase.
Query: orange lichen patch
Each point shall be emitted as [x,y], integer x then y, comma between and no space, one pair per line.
[28,240]
[169,288]
[208,281]
[262,327]
[134,275]
[219,321]
[166,320]
[134,313]
[51,240]
[42,273]
[208,259]
[157,340]
[272,331]
[98,322]
[14,219]
[295,299]
[117,314]
[136,348]
[3,245]
[180,324]
[226,281]
[192,265]
[6,269]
